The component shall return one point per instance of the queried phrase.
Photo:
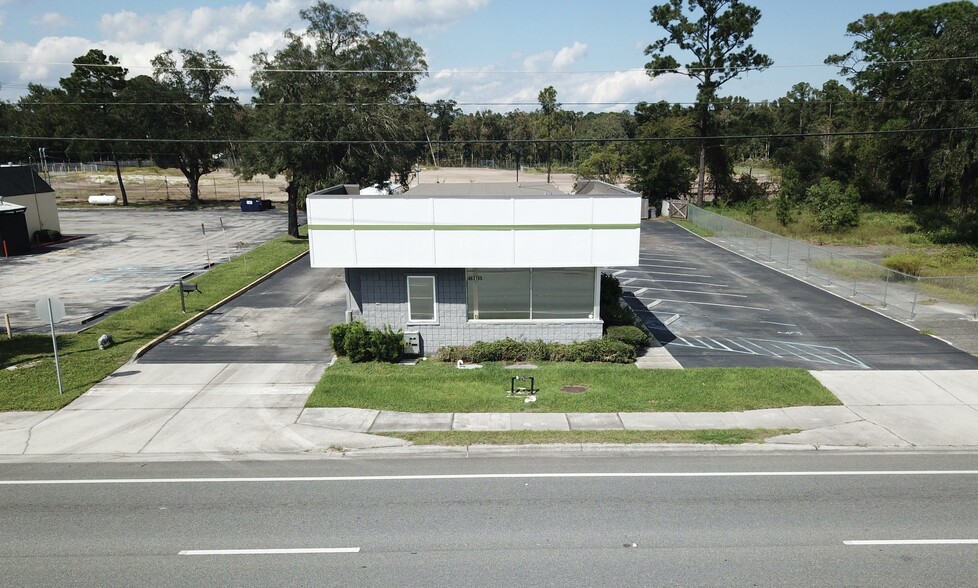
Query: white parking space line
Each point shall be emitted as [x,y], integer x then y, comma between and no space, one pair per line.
[676,267]
[671,320]
[698,292]
[685,282]
[640,291]
[714,304]
[911,542]
[654,273]
[299,550]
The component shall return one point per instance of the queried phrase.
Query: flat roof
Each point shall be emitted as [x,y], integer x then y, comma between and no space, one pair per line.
[483,189]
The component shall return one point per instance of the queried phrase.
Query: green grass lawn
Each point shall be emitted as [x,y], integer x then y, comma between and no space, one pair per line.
[33,385]
[433,386]
[702,436]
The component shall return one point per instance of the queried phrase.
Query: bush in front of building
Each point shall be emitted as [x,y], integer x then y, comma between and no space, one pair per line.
[630,334]
[47,236]
[360,344]
[594,350]
[613,312]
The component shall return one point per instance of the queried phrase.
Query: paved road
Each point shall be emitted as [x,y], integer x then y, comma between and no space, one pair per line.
[285,319]
[670,520]
[124,256]
[711,307]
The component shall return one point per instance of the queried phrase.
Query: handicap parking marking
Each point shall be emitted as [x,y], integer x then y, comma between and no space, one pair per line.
[811,353]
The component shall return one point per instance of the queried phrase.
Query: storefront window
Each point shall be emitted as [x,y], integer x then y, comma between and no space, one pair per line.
[524,294]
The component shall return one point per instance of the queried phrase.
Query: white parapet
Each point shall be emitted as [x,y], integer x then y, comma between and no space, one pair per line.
[474,225]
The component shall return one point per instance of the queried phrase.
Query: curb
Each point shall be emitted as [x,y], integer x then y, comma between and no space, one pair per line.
[173,331]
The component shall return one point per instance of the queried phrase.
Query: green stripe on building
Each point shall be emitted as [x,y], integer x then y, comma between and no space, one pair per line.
[467,227]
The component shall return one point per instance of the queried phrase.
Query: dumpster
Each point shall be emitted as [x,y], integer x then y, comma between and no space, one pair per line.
[250,205]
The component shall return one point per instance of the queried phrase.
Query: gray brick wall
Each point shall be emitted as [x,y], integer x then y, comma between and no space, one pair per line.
[380,296]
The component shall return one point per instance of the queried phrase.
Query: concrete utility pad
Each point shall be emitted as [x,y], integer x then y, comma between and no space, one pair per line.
[711,307]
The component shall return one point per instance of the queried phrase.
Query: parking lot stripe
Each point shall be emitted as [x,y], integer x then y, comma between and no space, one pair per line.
[697,292]
[686,282]
[715,304]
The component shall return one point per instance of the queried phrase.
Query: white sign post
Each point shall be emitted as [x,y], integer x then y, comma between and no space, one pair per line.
[52,310]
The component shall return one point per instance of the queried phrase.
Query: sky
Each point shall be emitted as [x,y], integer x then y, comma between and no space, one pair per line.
[484,54]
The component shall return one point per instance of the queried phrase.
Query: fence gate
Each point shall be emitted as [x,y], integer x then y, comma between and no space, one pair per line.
[678,210]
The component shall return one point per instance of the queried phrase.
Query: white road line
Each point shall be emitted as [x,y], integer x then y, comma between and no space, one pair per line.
[671,320]
[913,542]
[640,291]
[300,550]
[520,476]
[721,345]
[653,304]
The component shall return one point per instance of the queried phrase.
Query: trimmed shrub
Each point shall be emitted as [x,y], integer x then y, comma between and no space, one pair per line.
[612,311]
[387,345]
[337,337]
[596,350]
[630,334]
[357,343]
[46,236]
[603,350]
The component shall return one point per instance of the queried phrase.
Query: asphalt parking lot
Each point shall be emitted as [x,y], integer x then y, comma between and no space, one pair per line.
[123,256]
[710,307]
[285,319]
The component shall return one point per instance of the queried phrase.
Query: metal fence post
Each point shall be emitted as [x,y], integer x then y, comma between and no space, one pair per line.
[787,253]
[913,305]
[808,260]
[886,285]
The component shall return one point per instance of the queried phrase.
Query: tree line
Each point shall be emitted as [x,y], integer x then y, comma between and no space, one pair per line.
[338,104]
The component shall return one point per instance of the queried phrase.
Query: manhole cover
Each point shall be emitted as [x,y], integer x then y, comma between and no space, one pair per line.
[574,389]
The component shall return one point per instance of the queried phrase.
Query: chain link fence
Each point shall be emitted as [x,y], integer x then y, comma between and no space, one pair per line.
[901,295]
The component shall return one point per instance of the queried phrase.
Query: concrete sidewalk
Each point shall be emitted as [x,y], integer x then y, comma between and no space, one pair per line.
[198,411]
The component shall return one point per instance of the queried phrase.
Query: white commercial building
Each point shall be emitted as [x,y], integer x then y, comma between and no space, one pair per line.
[459,263]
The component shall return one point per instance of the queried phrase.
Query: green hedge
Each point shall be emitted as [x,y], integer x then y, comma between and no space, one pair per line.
[360,344]
[595,350]
[630,334]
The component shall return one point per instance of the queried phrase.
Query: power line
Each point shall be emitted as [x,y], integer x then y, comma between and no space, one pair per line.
[443,72]
[891,132]
[775,102]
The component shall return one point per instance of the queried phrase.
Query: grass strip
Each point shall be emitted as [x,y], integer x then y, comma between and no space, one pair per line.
[695,229]
[433,386]
[703,436]
[33,384]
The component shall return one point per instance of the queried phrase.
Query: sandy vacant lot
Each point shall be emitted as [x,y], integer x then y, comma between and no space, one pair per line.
[169,186]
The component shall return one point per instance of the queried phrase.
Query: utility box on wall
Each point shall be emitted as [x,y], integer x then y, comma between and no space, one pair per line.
[412,343]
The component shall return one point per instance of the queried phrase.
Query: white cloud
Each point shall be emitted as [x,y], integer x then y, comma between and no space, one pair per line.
[417,16]
[501,92]
[569,55]
[51,20]
[559,61]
